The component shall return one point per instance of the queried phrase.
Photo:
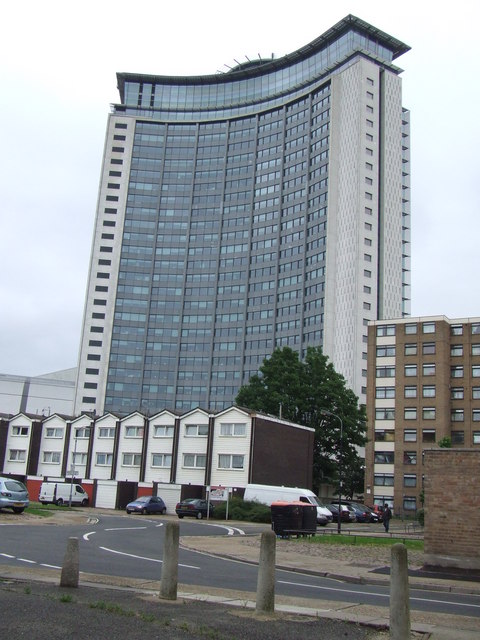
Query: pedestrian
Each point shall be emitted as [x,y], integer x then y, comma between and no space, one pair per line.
[387,516]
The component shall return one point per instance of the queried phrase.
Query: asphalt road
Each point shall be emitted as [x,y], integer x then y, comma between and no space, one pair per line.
[132,547]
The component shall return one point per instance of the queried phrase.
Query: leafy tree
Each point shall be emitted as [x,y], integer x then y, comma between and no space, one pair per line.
[445,442]
[314,394]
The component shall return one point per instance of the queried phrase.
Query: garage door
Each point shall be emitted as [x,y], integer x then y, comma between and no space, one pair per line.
[170,494]
[106,494]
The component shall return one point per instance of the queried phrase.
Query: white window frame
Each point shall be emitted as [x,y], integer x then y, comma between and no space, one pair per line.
[134,431]
[196,430]
[164,460]
[108,459]
[136,459]
[53,455]
[233,429]
[80,458]
[168,429]
[20,431]
[83,431]
[109,430]
[17,457]
[199,460]
[231,461]
[54,432]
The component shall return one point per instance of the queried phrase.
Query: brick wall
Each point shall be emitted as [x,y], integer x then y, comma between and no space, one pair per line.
[452,508]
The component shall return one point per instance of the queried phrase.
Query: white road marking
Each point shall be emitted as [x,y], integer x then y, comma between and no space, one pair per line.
[86,535]
[50,566]
[6,555]
[125,528]
[131,555]
[378,595]
[25,560]
[230,530]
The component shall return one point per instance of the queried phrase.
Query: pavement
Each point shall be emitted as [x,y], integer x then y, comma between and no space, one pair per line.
[105,606]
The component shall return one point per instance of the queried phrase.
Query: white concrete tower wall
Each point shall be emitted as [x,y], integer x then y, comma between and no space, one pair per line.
[347,303]
[103,278]
[390,278]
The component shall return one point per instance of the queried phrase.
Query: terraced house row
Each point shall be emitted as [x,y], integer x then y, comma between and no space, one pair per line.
[173,455]
[423,392]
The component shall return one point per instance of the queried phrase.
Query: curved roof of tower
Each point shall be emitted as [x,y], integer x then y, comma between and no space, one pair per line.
[249,70]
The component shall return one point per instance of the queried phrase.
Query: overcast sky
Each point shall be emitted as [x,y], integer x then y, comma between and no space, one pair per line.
[57,74]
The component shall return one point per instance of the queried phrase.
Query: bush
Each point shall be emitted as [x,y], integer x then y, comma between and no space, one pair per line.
[421,516]
[239,509]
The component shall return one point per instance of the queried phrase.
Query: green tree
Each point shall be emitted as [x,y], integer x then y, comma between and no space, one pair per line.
[445,442]
[314,394]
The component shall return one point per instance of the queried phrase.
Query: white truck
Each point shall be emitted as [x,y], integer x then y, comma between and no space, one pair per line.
[266,494]
[59,493]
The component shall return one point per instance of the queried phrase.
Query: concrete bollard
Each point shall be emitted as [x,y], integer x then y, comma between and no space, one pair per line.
[169,581]
[70,567]
[399,594]
[266,573]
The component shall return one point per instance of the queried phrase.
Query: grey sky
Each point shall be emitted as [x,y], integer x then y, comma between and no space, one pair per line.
[58,78]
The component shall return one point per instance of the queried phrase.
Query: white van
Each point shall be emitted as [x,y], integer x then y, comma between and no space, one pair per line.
[59,493]
[267,494]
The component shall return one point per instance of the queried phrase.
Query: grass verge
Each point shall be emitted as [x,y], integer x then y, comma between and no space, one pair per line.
[362,541]
[44,510]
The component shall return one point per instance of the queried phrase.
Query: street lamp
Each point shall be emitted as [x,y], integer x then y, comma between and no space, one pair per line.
[324,412]
[72,467]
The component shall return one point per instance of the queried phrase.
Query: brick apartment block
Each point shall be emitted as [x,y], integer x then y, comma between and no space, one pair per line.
[452,507]
[423,385]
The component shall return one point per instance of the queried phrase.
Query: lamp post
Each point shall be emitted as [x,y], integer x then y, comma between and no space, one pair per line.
[324,412]
[72,468]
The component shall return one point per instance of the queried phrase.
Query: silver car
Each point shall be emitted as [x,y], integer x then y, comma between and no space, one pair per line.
[13,495]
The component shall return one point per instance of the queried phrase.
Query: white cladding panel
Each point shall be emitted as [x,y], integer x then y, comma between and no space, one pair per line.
[231,445]
[103,445]
[52,446]
[159,444]
[196,445]
[130,447]
[18,445]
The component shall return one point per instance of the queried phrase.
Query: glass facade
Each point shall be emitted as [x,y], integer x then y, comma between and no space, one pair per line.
[247,88]
[223,253]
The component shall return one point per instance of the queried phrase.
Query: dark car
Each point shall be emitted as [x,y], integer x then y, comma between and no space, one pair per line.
[348,514]
[193,507]
[147,504]
[363,513]
[13,495]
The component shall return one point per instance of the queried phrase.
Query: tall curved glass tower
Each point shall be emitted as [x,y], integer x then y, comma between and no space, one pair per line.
[239,212]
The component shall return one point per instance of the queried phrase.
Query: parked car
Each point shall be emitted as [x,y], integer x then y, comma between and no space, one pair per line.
[363,513]
[348,514]
[62,493]
[13,495]
[193,507]
[378,509]
[147,504]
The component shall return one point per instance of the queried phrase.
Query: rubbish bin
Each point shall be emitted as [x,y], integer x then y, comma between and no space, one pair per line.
[309,518]
[294,518]
[286,517]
